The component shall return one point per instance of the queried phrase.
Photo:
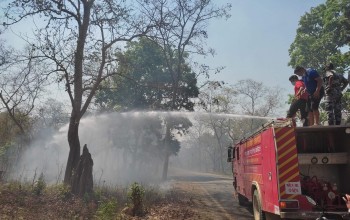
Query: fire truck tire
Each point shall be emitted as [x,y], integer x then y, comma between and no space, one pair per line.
[242,201]
[257,209]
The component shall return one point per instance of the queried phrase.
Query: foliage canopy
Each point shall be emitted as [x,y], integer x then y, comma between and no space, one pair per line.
[323,36]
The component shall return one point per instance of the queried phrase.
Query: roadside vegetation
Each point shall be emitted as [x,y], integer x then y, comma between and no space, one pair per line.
[36,200]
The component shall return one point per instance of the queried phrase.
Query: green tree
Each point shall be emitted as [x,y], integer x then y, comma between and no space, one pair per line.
[323,36]
[144,82]
[143,79]
[146,85]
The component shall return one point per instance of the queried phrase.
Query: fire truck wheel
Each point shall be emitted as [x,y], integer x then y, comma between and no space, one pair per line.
[257,209]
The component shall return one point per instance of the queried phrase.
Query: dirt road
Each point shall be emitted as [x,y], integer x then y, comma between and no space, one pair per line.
[212,195]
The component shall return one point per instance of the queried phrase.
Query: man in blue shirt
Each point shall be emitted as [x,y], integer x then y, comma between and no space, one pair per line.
[313,84]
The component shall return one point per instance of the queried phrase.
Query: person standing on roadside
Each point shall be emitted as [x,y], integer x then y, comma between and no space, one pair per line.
[299,100]
[313,84]
[334,84]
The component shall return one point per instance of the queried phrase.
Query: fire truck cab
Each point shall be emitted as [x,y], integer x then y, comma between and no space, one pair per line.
[293,172]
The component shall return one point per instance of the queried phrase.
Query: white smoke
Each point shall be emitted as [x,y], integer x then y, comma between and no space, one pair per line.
[125,148]
[121,150]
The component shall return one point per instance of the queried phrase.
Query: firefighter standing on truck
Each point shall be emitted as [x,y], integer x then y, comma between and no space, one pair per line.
[334,84]
[299,101]
[313,83]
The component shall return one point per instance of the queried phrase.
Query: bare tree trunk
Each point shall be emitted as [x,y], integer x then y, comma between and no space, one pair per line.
[218,138]
[73,130]
[165,166]
[74,149]
[167,153]
[221,159]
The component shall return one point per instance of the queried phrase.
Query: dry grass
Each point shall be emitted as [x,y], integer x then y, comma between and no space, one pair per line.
[22,201]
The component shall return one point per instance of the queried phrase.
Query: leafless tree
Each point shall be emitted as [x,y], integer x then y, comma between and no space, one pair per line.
[227,106]
[77,39]
[51,114]
[4,53]
[21,83]
[256,99]
[218,98]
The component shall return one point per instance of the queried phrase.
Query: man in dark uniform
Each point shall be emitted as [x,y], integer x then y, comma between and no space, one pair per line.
[334,84]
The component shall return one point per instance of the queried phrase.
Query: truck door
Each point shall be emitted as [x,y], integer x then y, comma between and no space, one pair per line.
[269,171]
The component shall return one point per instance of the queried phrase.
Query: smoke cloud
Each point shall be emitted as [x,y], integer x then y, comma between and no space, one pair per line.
[125,148]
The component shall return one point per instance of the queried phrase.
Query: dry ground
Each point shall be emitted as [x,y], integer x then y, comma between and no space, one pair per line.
[190,196]
[20,202]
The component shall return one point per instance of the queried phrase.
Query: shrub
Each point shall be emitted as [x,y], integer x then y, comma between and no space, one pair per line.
[136,194]
[39,185]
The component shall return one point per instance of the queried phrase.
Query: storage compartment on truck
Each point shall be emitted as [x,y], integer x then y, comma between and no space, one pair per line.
[323,155]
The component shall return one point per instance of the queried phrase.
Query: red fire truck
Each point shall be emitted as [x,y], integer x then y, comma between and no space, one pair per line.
[293,172]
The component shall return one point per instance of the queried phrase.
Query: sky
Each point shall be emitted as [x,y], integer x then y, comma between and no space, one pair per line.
[253,43]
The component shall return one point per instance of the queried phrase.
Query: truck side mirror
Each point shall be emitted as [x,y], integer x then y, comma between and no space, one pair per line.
[229,154]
